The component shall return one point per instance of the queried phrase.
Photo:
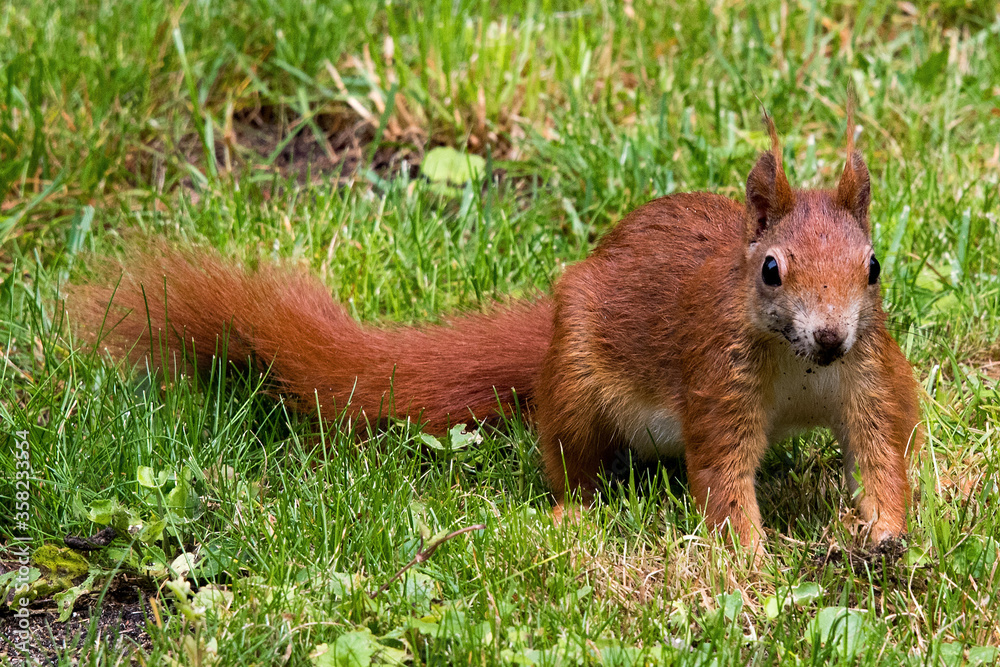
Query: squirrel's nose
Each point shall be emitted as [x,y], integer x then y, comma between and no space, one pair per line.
[829,343]
[829,339]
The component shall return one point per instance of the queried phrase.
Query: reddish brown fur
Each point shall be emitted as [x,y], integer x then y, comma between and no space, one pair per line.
[854,190]
[317,354]
[667,339]
[667,321]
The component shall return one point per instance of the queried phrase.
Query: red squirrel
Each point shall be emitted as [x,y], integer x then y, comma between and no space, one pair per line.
[698,326]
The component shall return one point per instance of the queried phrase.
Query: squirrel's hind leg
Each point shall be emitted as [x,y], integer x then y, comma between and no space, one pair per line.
[573,455]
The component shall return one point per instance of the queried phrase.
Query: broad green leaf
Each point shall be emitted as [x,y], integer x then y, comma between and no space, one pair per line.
[953,654]
[525,656]
[806,592]
[947,303]
[183,564]
[9,580]
[950,654]
[152,532]
[177,499]
[982,655]
[352,649]
[110,512]
[772,608]
[67,598]
[843,629]
[343,584]
[146,477]
[388,655]
[800,595]
[100,511]
[731,604]
[447,165]
[427,625]
[420,589]
[975,557]
[431,441]
[459,439]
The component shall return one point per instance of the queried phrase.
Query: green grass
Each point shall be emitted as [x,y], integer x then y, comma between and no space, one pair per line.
[189,121]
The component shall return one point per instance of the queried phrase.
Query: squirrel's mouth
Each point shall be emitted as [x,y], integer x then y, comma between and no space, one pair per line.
[825,357]
[819,349]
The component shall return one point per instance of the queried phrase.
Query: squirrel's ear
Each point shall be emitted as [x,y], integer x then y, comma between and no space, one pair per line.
[769,196]
[854,192]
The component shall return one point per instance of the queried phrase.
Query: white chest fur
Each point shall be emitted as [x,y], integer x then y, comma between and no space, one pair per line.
[803,395]
[657,434]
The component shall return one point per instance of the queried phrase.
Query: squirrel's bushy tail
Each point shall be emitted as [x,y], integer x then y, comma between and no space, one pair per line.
[169,306]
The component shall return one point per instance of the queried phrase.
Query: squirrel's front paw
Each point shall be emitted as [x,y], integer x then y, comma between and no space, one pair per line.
[885,528]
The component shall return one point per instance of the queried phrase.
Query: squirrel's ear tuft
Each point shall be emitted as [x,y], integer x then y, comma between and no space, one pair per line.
[854,192]
[769,196]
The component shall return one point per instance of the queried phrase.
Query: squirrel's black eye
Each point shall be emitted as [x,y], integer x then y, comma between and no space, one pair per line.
[874,269]
[769,272]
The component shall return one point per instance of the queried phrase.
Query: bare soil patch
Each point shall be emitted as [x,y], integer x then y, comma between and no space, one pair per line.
[120,625]
[265,139]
